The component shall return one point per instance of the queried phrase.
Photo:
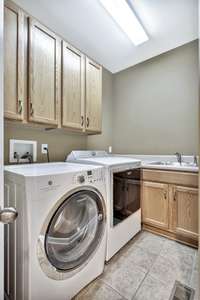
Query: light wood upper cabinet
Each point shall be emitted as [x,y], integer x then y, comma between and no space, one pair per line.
[155,204]
[93,96]
[48,82]
[73,87]
[186,211]
[13,62]
[44,49]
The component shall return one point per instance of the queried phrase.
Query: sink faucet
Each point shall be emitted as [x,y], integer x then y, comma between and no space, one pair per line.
[195,160]
[179,157]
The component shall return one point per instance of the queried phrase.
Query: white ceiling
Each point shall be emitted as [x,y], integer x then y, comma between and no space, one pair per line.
[86,25]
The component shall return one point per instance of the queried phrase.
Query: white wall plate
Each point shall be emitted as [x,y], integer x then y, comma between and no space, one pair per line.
[21,147]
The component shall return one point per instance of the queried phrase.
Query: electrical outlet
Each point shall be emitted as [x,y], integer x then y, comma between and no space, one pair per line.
[43,150]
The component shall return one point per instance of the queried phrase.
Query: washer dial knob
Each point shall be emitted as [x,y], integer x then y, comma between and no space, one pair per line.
[81,179]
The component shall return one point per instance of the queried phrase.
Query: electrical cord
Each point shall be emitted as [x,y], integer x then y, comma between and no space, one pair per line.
[47,153]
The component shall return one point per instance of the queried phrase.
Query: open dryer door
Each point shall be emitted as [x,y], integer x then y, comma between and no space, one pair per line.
[74,232]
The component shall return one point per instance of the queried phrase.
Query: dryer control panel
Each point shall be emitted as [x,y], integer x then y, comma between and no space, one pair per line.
[90,176]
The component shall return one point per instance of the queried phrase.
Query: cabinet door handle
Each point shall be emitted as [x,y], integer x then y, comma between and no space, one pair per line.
[20,107]
[82,121]
[175,196]
[88,122]
[31,109]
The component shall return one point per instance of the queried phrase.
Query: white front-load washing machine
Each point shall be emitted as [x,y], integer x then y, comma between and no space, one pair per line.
[57,244]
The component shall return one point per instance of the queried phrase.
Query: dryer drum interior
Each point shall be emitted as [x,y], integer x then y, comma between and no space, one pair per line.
[75,230]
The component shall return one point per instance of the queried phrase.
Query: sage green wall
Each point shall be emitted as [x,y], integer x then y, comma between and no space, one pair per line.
[60,143]
[155,104]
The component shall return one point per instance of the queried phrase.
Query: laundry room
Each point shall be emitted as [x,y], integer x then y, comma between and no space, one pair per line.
[99,160]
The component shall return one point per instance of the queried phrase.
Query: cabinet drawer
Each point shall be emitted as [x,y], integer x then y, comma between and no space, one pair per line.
[171,177]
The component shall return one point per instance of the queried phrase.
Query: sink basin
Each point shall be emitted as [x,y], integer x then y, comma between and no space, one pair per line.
[174,164]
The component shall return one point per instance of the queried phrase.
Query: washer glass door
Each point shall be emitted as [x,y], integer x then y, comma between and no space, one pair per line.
[75,230]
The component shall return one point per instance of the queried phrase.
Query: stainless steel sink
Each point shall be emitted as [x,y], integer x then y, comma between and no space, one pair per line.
[157,163]
[174,164]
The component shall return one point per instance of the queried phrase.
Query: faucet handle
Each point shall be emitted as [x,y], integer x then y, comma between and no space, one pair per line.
[179,157]
[195,160]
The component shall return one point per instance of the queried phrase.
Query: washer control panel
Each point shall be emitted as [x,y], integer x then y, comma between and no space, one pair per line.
[81,179]
[90,176]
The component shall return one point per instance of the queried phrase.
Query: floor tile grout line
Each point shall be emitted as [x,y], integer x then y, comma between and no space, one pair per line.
[149,252]
[160,255]
[116,291]
[140,284]
[164,241]
[193,260]
[193,267]
[147,273]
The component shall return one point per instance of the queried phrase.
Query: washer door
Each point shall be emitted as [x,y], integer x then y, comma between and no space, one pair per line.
[75,230]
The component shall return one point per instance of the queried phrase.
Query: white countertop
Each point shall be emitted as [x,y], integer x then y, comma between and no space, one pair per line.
[148,160]
[160,162]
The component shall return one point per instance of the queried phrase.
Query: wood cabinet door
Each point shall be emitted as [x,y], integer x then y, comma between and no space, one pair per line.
[186,211]
[13,62]
[155,204]
[43,74]
[93,96]
[73,86]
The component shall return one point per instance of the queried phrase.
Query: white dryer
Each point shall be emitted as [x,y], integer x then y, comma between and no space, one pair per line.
[123,195]
[58,243]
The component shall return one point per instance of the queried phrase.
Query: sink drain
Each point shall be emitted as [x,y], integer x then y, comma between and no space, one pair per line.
[182,292]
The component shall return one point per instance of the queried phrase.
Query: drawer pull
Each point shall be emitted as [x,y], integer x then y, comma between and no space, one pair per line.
[175,196]
[31,109]
[88,122]
[20,107]
[82,121]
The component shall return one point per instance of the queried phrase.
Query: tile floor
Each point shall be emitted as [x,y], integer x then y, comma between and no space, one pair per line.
[145,269]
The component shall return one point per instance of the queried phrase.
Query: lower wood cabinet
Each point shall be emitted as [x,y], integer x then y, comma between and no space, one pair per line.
[186,211]
[171,209]
[155,204]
